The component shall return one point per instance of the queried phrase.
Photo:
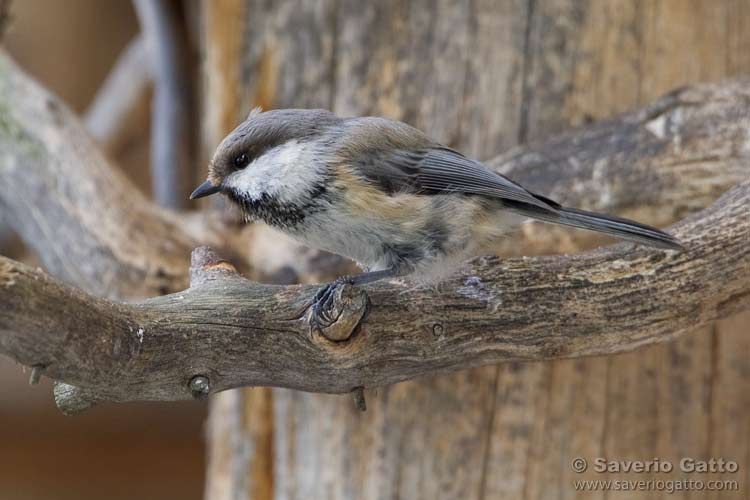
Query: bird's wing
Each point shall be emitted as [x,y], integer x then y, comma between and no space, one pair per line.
[435,170]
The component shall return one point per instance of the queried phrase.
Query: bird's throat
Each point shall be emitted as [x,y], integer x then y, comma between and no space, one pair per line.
[277,213]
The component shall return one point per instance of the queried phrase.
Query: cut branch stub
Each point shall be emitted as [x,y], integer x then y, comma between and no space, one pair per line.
[200,386]
[72,400]
[206,264]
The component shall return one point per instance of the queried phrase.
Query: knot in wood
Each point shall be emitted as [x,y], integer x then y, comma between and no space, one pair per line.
[72,400]
[437,330]
[200,386]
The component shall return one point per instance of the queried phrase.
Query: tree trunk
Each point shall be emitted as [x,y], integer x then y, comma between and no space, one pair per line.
[480,76]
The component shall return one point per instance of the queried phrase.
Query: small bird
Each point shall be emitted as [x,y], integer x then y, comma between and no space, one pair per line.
[382,193]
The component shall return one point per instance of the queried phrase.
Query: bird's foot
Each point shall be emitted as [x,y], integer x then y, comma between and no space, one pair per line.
[324,313]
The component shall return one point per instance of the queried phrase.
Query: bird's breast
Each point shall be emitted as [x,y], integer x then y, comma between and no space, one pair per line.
[381,230]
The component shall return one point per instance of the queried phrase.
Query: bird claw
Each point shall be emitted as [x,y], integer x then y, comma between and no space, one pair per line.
[322,306]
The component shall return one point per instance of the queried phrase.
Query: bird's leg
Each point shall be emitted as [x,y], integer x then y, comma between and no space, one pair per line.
[323,300]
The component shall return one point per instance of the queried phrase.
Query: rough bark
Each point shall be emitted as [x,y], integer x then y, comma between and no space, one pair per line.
[237,333]
[644,155]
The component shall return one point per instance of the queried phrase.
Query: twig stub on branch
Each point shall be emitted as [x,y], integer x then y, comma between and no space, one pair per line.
[359,398]
[72,400]
[205,264]
[349,307]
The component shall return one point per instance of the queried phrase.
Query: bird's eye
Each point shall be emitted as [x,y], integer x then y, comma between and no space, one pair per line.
[241,161]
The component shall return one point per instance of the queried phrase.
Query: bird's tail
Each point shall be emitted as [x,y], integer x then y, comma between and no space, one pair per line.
[616,226]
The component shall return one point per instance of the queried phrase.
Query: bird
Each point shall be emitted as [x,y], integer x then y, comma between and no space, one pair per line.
[382,193]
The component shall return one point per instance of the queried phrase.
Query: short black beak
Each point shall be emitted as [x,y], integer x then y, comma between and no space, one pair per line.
[205,189]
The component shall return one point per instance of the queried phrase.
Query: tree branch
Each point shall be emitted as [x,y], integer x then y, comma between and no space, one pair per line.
[657,164]
[126,84]
[234,332]
[170,144]
[87,222]
[92,228]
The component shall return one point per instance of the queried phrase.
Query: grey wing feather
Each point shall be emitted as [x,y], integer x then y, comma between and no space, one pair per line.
[448,170]
[435,170]
[442,170]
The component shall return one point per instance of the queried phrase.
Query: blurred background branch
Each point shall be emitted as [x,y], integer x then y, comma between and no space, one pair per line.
[165,35]
[72,46]
[126,85]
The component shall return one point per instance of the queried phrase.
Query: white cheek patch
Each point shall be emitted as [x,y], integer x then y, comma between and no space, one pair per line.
[248,181]
[288,172]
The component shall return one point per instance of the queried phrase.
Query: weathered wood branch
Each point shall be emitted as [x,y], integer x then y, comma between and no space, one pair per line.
[125,86]
[89,225]
[232,332]
[657,164]
[92,228]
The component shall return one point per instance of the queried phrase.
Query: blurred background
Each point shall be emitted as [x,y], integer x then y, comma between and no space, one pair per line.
[144,451]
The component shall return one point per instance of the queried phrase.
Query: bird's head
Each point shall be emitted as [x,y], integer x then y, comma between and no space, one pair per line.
[271,156]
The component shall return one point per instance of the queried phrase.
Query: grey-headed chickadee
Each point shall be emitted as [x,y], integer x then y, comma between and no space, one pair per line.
[381,193]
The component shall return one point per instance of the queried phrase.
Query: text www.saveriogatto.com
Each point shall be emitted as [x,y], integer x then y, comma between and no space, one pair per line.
[685,465]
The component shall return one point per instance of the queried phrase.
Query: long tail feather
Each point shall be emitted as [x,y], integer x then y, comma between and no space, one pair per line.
[616,226]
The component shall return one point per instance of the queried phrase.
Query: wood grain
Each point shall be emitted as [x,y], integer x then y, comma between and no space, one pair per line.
[584,304]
